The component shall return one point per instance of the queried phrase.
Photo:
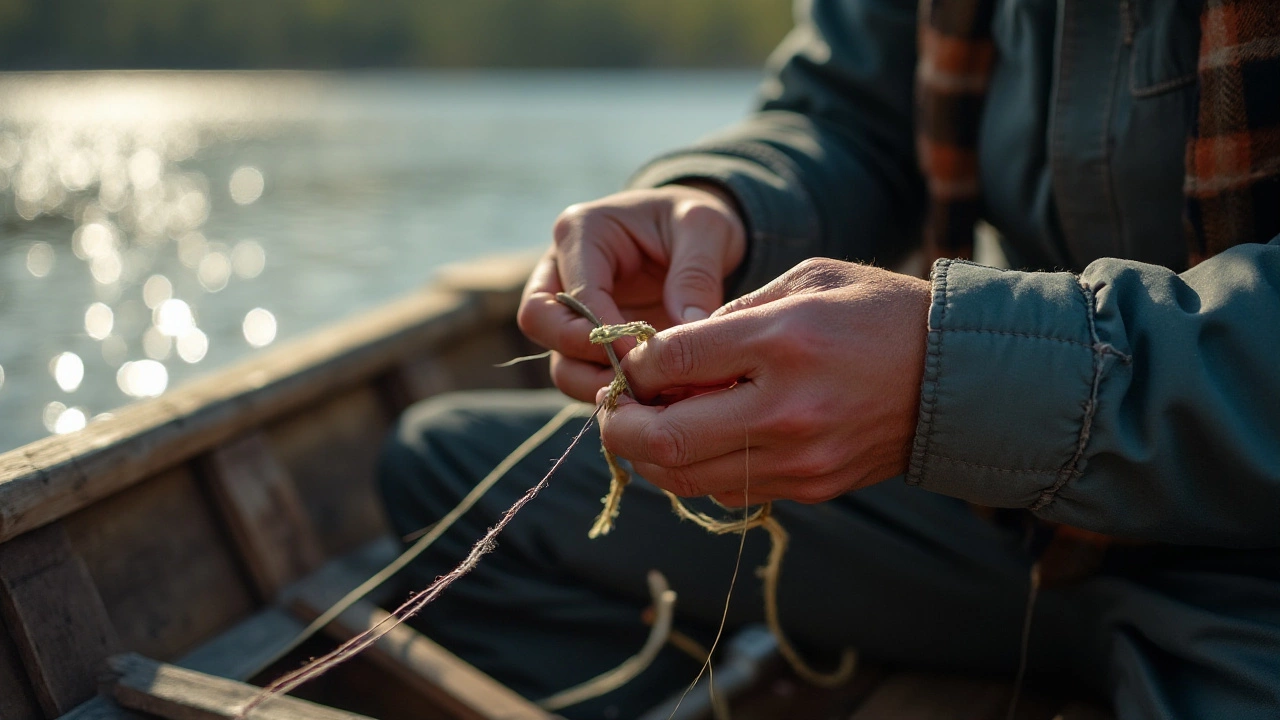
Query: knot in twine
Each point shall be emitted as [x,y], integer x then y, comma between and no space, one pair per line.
[762,516]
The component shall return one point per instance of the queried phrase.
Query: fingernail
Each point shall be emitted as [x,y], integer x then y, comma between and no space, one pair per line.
[601,394]
[693,314]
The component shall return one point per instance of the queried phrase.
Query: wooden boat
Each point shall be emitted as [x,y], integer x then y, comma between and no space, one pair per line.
[150,563]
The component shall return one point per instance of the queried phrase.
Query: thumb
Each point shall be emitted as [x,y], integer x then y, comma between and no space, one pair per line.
[694,286]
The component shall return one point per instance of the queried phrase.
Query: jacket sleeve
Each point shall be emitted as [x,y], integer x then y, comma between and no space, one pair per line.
[826,165]
[1128,400]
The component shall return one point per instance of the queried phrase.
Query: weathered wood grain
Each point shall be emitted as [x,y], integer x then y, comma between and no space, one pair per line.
[102,708]
[179,694]
[57,475]
[56,617]
[264,513]
[330,450]
[444,679]
[164,566]
[241,652]
[17,700]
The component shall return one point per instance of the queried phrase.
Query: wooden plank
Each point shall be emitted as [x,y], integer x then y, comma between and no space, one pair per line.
[443,678]
[164,566]
[17,700]
[497,280]
[243,650]
[57,619]
[180,694]
[934,696]
[261,507]
[331,451]
[101,708]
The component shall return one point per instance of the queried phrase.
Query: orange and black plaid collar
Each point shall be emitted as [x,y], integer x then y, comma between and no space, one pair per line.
[1232,180]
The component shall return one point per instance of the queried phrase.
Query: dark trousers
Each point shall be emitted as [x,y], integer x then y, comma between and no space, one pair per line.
[905,576]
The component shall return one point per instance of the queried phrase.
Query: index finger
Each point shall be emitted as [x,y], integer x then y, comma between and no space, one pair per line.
[548,322]
[715,351]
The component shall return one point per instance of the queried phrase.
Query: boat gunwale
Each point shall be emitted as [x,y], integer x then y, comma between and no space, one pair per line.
[53,477]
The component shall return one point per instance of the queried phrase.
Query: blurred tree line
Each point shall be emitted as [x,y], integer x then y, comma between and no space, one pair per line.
[63,34]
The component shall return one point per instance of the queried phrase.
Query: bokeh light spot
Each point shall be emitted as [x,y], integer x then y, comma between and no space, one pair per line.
[40,258]
[156,290]
[156,344]
[70,420]
[214,271]
[173,318]
[68,370]
[193,346]
[246,184]
[248,259]
[142,378]
[52,412]
[259,327]
[98,321]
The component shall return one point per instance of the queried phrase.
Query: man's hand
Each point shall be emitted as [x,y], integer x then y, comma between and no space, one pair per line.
[658,255]
[827,361]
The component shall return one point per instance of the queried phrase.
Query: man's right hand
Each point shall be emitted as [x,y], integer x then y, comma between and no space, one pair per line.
[657,255]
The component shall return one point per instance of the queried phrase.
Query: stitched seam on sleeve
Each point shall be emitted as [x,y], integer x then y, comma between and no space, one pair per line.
[1028,336]
[1101,350]
[993,468]
[929,386]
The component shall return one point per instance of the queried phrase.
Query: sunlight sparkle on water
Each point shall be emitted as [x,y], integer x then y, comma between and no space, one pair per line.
[70,420]
[94,240]
[52,412]
[156,344]
[193,346]
[246,184]
[214,272]
[259,327]
[68,371]
[173,317]
[142,378]
[40,259]
[98,321]
[156,290]
[248,259]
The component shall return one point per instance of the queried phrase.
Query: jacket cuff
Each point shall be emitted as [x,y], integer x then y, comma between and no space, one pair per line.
[1010,385]
[779,216]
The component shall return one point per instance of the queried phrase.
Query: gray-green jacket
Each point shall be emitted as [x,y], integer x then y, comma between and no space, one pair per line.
[1113,394]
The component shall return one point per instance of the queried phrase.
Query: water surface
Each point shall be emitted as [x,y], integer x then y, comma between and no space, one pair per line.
[154,226]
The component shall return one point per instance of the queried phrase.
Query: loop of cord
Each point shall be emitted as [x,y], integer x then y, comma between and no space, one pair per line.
[762,517]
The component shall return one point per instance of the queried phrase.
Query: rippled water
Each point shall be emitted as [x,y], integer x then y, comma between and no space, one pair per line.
[156,225]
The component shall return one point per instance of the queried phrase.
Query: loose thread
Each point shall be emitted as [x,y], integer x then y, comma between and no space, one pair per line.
[1033,592]
[421,599]
[664,603]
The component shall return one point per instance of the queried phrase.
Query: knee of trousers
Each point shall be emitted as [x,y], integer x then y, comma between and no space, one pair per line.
[408,473]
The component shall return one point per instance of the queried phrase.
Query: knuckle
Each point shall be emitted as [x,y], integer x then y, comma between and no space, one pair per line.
[681,483]
[676,356]
[665,445]
[700,280]
[569,221]
[698,215]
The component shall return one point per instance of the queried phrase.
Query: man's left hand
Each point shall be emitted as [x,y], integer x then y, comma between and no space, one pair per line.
[818,373]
